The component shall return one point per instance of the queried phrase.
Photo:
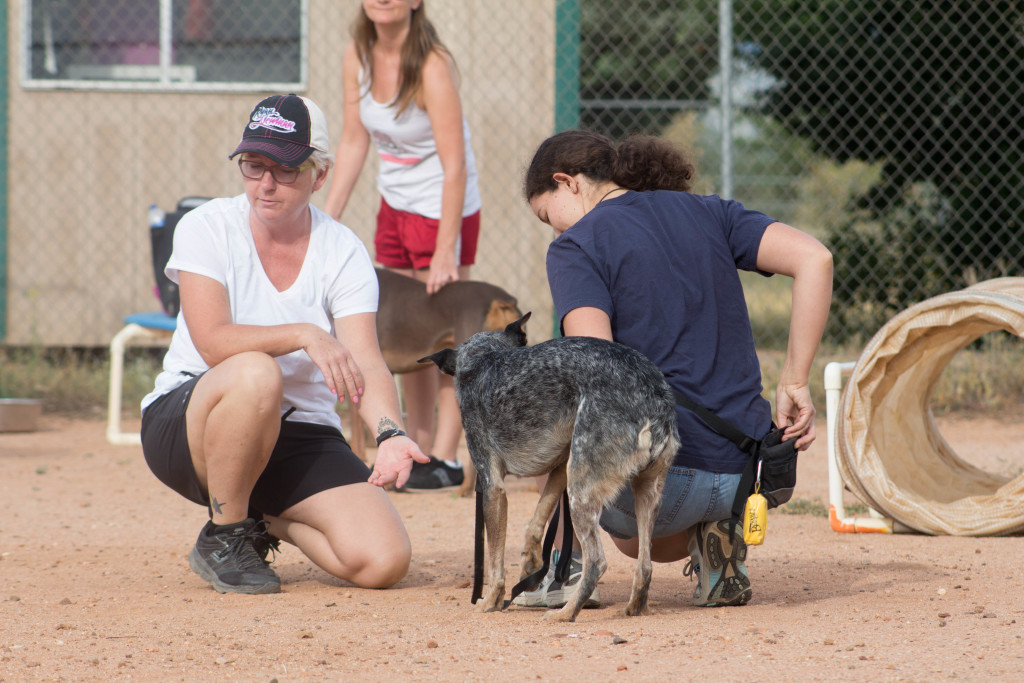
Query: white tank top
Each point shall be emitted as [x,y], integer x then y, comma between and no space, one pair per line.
[410,176]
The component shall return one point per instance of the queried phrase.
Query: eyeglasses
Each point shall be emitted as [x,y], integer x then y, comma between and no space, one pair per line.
[286,175]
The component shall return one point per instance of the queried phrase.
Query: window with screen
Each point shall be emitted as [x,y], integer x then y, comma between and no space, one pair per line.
[165,43]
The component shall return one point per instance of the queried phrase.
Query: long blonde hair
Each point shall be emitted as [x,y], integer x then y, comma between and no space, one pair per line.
[421,41]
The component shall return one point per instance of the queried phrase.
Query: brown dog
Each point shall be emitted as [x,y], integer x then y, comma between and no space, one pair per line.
[412,324]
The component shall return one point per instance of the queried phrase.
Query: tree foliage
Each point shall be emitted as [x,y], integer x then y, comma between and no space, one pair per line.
[932,90]
[648,50]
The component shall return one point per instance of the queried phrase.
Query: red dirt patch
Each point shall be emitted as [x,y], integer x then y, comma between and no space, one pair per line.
[94,585]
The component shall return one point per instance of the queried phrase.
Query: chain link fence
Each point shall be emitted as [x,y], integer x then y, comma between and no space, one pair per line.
[890,130]
[114,105]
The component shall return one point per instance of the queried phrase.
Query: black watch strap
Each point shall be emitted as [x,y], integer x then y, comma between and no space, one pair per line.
[388,433]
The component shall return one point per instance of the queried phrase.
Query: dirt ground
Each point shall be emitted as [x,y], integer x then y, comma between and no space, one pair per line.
[94,586]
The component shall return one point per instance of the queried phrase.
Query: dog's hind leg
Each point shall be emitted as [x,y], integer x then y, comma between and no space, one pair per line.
[647,487]
[585,522]
[531,560]
[495,521]
[586,503]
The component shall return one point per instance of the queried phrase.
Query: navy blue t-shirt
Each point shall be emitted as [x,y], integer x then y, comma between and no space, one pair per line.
[663,266]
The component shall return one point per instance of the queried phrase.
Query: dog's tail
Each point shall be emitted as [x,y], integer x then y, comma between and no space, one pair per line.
[665,438]
[659,441]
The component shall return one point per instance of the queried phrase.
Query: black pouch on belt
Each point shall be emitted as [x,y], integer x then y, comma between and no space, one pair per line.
[777,459]
[778,467]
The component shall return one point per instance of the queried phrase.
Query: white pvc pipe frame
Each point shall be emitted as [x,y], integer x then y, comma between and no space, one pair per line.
[118,345]
[876,523]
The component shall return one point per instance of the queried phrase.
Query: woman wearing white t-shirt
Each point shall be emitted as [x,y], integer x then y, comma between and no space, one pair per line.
[401,93]
[277,324]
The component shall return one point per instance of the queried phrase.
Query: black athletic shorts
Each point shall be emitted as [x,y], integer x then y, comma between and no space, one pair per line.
[307,459]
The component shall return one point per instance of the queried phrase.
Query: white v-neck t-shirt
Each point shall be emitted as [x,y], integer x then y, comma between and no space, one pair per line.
[336,280]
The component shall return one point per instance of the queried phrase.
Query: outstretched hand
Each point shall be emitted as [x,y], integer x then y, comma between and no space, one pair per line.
[794,412]
[394,461]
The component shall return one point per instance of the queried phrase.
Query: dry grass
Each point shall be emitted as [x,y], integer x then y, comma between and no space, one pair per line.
[75,381]
[987,377]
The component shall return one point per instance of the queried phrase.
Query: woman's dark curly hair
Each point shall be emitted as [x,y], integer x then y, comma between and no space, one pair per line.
[640,162]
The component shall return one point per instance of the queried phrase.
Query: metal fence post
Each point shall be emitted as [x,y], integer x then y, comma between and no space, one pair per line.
[3,175]
[725,95]
[567,64]
[567,81]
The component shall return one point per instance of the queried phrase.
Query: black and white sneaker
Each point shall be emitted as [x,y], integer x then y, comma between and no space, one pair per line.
[551,593]
[433,475]
[227,557]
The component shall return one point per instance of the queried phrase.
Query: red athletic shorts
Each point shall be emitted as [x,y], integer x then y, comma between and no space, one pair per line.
[406,240]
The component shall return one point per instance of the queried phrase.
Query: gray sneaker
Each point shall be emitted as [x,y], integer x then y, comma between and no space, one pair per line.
[229,560]
[552,593]
[718,561]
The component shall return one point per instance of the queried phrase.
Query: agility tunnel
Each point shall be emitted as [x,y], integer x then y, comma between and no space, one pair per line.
[883,440]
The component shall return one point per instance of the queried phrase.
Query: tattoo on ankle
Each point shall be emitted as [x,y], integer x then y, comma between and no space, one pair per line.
[385,424]
[217,506]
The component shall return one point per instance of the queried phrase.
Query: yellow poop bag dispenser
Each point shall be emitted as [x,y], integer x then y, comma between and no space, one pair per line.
[755,514]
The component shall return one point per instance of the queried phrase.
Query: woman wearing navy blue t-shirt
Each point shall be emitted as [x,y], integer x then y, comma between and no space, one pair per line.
[640,260]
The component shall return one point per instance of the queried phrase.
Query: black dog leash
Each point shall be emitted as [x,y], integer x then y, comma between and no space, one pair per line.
[478,547]
[561,568]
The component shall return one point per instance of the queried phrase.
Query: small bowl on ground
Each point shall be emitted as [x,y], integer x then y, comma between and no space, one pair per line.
[20,414]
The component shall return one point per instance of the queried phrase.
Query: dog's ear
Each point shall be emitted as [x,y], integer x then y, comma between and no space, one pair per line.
[443,359]
[516,332]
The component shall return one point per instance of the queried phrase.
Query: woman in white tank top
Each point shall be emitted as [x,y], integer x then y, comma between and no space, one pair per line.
[401,92]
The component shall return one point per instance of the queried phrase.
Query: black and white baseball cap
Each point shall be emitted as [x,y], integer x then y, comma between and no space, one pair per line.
[286,129]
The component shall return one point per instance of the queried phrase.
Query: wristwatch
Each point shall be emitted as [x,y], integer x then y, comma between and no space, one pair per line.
[388,433]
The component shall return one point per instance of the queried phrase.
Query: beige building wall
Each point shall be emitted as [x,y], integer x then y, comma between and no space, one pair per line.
[85,165]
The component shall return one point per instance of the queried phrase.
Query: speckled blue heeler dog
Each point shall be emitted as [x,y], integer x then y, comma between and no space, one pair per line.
[593,414]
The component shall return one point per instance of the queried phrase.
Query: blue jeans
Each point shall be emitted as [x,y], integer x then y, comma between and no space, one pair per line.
[690,496]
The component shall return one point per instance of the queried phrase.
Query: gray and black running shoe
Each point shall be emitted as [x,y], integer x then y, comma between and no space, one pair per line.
[230,561]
